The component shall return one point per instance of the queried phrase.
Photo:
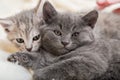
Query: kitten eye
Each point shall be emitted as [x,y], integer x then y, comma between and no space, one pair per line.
[57,32]
[36,37]
[75,34]
[20,40]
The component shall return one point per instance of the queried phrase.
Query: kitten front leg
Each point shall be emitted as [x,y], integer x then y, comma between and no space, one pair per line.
[76,68]
[58,71]
[23,59]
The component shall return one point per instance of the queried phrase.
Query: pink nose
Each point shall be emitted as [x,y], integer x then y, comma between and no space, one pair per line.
[29,49]
[65,43]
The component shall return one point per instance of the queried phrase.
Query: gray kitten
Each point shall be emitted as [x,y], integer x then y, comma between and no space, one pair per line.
[88,57]
[74,52]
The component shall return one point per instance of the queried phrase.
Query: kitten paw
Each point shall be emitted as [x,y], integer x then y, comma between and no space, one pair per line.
[21,58]
[13,58]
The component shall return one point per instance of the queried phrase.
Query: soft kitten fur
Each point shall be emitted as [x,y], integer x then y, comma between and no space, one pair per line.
[23,29]
[108,26]
[88,58]
[107,53]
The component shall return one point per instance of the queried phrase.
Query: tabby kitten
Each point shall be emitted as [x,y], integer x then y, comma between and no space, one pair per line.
[23,29]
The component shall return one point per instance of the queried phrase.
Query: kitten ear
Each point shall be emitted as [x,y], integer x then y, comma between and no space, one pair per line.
[49,12]
[6,24]
[91,18]
[37,8]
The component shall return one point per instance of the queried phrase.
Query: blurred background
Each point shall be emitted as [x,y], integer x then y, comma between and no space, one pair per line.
[11,7]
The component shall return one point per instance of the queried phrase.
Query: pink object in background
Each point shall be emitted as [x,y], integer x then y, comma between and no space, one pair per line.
[106,3]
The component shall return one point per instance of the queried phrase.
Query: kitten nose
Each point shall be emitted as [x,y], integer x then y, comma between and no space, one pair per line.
[65,43]
[29,49]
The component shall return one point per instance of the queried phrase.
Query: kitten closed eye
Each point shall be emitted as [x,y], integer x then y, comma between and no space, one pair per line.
[75,34]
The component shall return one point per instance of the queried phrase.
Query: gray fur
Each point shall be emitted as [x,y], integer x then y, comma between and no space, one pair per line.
[108,26]
[71,29]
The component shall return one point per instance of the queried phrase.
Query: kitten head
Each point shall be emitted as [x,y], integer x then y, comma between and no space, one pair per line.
[23,30]
[66,32]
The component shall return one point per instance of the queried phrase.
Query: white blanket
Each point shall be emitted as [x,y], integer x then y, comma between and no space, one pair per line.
[10,71]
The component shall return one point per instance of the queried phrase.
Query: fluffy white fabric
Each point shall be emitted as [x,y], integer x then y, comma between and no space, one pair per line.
[10,71]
